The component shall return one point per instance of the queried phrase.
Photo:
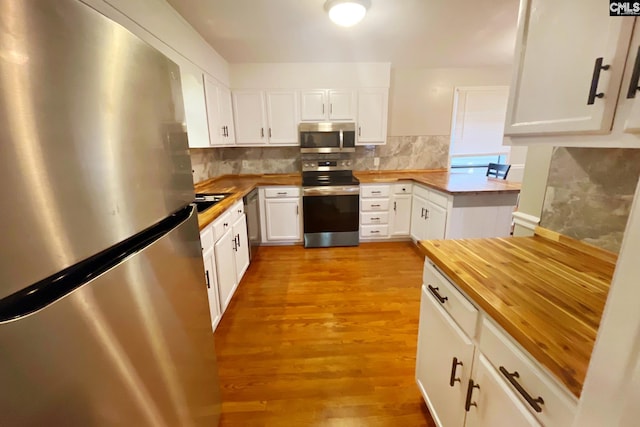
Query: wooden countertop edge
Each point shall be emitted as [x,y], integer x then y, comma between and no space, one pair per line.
[573,384]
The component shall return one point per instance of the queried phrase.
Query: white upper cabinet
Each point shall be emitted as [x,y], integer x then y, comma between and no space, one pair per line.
[283,117]
[630,95]
[569,63]
[226,114]
[195,109]
[372,116]
[328,105]
[266,117]
[250,116]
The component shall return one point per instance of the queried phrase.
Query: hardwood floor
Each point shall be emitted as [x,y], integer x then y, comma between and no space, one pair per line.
[324,337]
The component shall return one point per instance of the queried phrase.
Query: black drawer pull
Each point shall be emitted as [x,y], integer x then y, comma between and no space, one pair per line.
[375,219]
[635,77]
[593,91]
[376,192]
[375,206]
[454,366]
[206,272]
[468,403]
[535,403]
[436,294]
[375,231]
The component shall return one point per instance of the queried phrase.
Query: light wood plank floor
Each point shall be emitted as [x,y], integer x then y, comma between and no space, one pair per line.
[323,337]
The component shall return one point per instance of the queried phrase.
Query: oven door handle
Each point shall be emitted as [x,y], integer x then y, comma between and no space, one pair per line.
[334,190]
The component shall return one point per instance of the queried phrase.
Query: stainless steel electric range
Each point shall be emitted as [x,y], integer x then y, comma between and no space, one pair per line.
[331,200]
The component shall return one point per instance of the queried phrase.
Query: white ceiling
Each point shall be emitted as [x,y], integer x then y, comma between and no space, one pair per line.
[409,33]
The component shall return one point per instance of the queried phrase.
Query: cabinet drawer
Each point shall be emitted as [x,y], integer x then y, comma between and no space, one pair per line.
[381,231]
[402,188]
[375,218]
[206,237]
[374,191]
[420,191]
[372,205]
[559,407]
[462,311]
[274,192]
[237,209]
[438,198]
[221,225]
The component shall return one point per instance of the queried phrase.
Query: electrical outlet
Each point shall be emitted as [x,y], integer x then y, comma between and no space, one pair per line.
[376,161]
[245,164]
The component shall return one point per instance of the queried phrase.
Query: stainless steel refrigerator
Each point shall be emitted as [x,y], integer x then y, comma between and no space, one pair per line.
[104,317]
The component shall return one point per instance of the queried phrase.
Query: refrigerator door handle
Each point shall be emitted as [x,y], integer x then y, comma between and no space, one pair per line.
[49,290]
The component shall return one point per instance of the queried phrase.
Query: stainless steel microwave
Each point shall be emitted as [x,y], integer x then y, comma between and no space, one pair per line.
[327,137]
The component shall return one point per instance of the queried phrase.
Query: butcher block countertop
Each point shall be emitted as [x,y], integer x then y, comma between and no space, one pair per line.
[438,179]
[547,291]
[441,180]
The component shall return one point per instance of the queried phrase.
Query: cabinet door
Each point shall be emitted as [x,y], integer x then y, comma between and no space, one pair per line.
[226,115]
[282,218]
[341,104]
[241,246]
[225,268]
[444,352]
[212,286]
[401,215]
[437,221]
[372,116]
[195,108]
[250,117]
[555,64]
[418,218]
[214,117]
[630,93]
[496,404]
[282,114]
[313,105]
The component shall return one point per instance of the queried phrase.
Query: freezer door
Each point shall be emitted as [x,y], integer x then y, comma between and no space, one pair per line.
[133,347]
[92,148]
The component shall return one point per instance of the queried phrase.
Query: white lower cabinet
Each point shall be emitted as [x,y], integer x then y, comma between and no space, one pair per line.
[495,405]
[428,218]
[225,251]
[385,211]
[282,218]
[470,372]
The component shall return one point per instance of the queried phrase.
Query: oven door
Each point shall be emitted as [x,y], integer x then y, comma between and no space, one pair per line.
[331,215]
[321,141]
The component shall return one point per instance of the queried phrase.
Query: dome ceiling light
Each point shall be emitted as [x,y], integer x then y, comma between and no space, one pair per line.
[346,13]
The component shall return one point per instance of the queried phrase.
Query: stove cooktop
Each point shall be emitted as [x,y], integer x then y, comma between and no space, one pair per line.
[315,179]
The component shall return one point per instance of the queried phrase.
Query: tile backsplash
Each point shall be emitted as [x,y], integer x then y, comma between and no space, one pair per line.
[589,193]
[400,152]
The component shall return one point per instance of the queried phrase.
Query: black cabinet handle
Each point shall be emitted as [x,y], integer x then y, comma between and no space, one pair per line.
[534,403]
[226,224]
[454,366]
[375,219]
[593,91]
[238,239]
[422,213]
[468,403]
[359,131]
[375,231]
[261,132]
[426,216]
[281,193]
[206,272]
[375,206]
[322,108]
[394,206]
[269,132]
[235,247]
[635,76]
[435,293]
[376,192]
[330,108]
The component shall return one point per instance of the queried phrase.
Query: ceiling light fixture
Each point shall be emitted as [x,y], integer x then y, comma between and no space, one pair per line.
[347,13]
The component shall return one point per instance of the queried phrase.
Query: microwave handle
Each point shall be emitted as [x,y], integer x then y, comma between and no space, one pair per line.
[341,140]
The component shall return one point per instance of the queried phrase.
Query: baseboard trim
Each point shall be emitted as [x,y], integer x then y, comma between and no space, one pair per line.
[525,220]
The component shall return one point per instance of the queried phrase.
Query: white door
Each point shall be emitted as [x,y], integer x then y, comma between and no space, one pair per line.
[418,218]
[555,64]
[225,268]
[282,114]
[241,246]
[282,218]
[630,92]
[341,104]
[313,105]
[195,108]
[401,215]
[214,116]
[249,117]
[443,362]
[226,114]
[437,221]
[372,116]
[496,403]
[212,286]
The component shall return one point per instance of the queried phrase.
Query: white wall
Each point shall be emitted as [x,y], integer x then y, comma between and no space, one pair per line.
[156,22]
[322,75]
[421,99]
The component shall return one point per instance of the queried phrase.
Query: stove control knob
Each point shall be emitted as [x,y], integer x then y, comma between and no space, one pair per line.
[349,163]
[306,165]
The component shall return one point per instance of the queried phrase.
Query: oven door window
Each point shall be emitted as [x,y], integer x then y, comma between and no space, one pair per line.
[324,214]
[320,139]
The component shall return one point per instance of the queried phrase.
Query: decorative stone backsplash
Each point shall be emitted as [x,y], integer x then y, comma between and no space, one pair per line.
[400,152]
[589,193]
